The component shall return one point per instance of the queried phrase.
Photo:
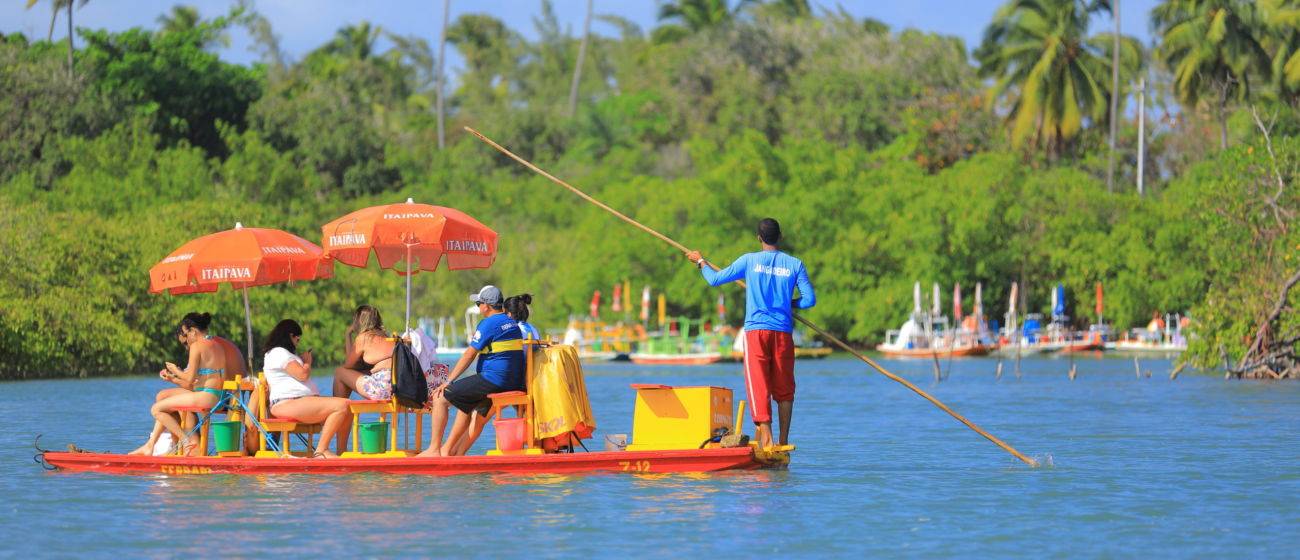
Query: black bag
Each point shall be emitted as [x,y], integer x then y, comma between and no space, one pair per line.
[409,385]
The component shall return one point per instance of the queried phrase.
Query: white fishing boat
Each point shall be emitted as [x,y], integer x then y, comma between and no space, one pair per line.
[928,335]
[1163,335]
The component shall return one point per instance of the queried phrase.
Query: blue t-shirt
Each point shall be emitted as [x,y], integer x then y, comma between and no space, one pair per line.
[505,369]
[527,328]
[771,277]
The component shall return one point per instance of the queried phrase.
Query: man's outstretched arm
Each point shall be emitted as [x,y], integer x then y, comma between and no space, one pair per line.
[735,271]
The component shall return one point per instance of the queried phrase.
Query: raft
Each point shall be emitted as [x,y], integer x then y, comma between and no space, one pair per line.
[665,461]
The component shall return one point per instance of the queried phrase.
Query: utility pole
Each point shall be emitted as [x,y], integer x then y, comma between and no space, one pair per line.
[1142,137]
[577,68]
[442,51]
[1114,98]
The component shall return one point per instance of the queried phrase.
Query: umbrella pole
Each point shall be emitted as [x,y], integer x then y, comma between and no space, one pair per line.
[248,324]
[408,288]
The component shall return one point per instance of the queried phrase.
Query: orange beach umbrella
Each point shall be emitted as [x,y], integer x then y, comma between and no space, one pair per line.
[242,257]
[421,235]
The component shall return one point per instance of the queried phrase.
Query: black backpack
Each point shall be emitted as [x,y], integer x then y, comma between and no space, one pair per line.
[409,385]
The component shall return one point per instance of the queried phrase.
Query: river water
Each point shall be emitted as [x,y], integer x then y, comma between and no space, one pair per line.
[1149,467]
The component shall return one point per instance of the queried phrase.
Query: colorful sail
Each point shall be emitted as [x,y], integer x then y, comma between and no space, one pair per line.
[1099,300]
[1058,301]
[645,304]
[663,310]
[956,303]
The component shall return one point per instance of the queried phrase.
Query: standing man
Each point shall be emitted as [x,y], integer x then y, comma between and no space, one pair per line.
[771,278]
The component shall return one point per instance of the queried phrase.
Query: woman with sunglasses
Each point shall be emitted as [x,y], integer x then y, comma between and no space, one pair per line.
[294,394]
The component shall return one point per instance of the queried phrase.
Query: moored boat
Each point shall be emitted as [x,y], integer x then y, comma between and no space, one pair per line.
[677,347]
[926,334]
[687,359]
[1163,335]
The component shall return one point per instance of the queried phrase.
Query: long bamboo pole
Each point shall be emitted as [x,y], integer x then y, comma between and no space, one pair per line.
[827,336]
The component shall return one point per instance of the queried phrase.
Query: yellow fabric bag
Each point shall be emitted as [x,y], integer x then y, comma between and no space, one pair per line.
[560,403]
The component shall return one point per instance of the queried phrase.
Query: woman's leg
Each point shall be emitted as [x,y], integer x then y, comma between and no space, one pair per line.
[345,381]
[147,448]
[332,412]
[161,410]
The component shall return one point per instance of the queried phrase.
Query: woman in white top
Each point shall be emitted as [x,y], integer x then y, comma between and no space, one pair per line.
[294,395]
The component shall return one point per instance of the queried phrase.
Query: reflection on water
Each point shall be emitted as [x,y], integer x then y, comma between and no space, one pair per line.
[1195,467]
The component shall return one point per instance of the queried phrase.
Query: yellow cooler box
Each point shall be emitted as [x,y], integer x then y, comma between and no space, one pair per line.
[678,417]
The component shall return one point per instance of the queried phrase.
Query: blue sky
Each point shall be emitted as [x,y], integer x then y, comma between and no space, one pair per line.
[303,25]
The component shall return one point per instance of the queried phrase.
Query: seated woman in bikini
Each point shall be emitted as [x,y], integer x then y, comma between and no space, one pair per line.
[368,358]
[294,395]
[235,366]
[199,384]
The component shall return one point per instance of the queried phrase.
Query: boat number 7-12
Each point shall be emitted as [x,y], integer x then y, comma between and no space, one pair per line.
[635,466]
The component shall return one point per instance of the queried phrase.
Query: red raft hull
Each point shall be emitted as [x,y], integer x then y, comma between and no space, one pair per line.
[702,460]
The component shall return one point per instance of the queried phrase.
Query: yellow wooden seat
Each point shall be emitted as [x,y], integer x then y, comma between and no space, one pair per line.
[522,402]
[283,426]
[191,414]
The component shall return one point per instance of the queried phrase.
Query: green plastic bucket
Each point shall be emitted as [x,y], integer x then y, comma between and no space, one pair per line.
[226,436]
[374,437]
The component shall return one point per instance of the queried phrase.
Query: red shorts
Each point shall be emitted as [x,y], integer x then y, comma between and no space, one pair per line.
[769,371]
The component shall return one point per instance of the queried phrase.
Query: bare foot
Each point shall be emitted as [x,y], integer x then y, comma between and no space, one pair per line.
[182,447]
[433,452]
[326,454]
[142,450]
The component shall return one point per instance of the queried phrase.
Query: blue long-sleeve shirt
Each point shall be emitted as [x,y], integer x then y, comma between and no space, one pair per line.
[771,277]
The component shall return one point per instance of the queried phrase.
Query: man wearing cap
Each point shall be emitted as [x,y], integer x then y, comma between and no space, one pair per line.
[498,345]
[771,277]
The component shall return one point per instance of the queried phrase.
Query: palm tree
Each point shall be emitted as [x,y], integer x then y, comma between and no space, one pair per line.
[788,9]
[690,16]
[55,6]
[1049,73]
[1214,49]
[1282,19]
[491,52]
[355,41]
[181,18]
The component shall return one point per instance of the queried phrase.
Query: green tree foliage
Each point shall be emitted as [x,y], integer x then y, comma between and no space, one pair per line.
[873,148]
[1282,18]
[169,77]
[1215,50]
[1050,75]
